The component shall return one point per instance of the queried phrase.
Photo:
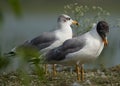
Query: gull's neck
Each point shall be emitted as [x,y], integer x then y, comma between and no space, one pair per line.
[94,33]
[64,30]
[64,27]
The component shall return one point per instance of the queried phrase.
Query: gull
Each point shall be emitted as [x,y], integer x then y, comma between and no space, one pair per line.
[81,49]
[49,40]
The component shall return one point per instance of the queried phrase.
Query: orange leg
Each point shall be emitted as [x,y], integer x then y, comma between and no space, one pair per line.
[78,72]
[82,72]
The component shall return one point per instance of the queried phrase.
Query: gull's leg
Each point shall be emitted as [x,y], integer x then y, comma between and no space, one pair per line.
[78,72]
[82,72]
[45,69]
[54,70]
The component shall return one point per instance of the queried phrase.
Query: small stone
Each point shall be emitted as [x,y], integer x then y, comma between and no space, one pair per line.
[4,73]
[103,75]
[51,85]
[98,71]
[88,82]
[13,77]
[90,74]
[76,84]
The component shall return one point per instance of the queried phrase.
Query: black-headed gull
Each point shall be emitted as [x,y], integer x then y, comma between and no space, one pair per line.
[81,49]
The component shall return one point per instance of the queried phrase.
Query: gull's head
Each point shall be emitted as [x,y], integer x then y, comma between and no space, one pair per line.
[103,30]
[66,20]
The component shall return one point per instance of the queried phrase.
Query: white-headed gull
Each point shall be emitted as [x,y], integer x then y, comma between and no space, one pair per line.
[49,40]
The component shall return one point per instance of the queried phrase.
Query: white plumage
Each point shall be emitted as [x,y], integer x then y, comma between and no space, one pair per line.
[81,49]
[49,40]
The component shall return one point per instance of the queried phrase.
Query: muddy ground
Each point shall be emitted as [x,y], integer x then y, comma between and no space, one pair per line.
[93,77]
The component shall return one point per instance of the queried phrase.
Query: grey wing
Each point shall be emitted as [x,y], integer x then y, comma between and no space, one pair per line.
[38,43]
[44,40]
[69,46]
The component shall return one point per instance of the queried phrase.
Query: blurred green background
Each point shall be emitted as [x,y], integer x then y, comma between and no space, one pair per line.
[21,20]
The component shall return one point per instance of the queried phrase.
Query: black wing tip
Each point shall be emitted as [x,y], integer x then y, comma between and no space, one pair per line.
[9,54]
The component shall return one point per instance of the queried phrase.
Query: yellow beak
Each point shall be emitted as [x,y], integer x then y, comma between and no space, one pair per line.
[75,22]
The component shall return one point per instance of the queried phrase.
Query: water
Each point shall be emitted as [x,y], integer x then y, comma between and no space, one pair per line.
[28,27]
[34,22]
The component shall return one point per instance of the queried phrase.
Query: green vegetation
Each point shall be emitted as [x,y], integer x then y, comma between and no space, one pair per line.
[15,4]
[16,7]
[3,61]
[1,17]
[85,15]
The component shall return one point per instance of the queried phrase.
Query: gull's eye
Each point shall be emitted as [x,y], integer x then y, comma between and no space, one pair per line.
[67,18]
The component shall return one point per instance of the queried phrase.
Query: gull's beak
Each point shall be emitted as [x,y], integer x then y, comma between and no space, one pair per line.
[105,41]
[75,22]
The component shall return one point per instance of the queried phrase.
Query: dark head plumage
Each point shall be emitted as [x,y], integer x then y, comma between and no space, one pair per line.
[103,29]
